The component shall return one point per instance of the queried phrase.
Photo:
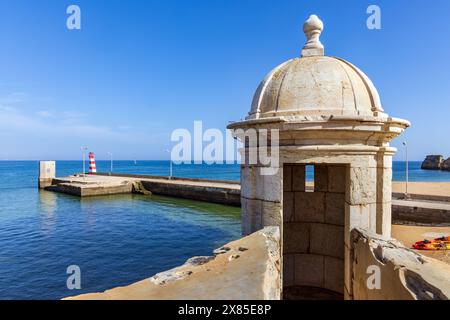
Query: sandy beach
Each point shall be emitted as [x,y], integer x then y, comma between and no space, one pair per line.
[409,235]
[427,188]
[431,188]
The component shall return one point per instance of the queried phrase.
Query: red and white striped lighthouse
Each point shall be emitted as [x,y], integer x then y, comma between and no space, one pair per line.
[92,167]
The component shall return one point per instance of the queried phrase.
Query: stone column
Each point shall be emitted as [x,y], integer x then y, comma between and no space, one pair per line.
[261,197]
[47,172]
[384,194]
[360,212]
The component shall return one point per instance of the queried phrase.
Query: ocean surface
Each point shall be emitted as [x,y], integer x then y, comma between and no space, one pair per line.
[115,240]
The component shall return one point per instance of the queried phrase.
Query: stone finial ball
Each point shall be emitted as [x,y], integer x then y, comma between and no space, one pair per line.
[313,23]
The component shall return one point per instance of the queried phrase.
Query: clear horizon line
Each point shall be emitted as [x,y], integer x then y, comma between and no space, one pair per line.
[34,160]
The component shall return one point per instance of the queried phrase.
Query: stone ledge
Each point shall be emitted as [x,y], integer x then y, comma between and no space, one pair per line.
[246,269]
[405,274]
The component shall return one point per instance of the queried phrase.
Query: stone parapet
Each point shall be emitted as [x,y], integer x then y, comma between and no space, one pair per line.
[246,269]
[403,273]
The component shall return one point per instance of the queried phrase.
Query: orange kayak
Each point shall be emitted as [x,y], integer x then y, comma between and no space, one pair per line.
[436,244]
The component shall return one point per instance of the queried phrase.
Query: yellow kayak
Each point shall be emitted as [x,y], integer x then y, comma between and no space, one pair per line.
[436,244]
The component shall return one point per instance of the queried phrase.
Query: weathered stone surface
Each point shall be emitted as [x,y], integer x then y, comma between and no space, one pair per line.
[251,215]
[335,208]
[384,184]
[348,271]
[356,216]
[334,274]
[248,182]
[138,188]
[309,270]
[384,160]
[255,275]
[288,270]
[446,165]
[223,192]
[47,172]
[287,178]
[337,155]
[405,274]
[299,178]
[433,162]
[170,276]
[328,114]
[309,206]
[327,240]
[288,207]
[271,214]
[384,218]
[269,187]
[296,237]
[198,261]
[221,250]
[337,176]
[313,27]
[332,85]
[321,178]
[363,186]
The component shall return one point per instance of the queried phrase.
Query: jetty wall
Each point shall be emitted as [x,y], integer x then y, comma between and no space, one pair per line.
[420,215]
[215,191]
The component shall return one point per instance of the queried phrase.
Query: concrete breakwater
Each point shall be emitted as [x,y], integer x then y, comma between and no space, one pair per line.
[418,208]
[222,192]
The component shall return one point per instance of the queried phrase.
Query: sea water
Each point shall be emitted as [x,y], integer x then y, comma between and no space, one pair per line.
[115,240]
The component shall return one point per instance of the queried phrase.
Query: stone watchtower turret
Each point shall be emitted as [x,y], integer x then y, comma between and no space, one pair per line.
[328,115]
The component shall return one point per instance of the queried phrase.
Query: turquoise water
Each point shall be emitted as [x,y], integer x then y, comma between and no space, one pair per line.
[417,174]
[231,172]
[115,240]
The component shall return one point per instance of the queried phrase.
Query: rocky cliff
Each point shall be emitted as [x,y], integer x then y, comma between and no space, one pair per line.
[446,165]
[433,162]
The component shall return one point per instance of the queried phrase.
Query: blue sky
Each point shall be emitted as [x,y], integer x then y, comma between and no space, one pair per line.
[137,70]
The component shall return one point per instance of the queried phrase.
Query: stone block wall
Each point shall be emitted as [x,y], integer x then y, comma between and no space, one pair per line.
[260,198]
[313,227]
[350,191]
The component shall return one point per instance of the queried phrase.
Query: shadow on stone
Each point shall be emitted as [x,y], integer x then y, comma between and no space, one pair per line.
[310,293]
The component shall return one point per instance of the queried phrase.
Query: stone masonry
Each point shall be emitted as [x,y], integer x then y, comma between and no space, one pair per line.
[328,114]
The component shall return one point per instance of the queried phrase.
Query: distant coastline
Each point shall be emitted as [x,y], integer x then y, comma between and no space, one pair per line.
[436,162]
[203,171]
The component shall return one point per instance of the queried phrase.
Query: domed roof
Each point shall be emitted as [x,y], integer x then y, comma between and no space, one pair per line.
[316,85]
